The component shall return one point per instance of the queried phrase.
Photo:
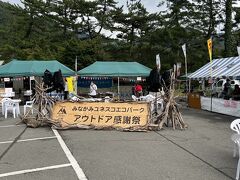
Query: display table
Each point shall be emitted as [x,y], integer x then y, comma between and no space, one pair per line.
[228,107]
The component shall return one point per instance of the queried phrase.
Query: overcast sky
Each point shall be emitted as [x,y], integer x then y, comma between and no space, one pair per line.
[151,5]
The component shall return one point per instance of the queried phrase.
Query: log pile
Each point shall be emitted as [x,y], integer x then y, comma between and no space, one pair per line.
[171,114]
[42,107]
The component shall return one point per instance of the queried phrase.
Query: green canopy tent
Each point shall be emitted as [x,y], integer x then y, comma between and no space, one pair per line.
[115,69]
[20,68]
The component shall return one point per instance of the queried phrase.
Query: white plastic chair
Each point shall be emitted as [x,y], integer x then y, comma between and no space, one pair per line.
[29,104]
[107,99]
[235,126]
[10,105]
[3,101]
[160,105]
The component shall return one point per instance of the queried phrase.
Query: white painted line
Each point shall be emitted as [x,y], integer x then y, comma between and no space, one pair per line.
[11,126]
[35,139]
[6,142]
[34,170]
[74,163]
[25,140]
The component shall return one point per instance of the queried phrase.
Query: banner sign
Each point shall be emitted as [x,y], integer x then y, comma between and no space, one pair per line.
[209,44]
[70,84]
[229,107]
[238,50]
[158,62]
[184,50]
[178,72]
[101,82]
[101,114]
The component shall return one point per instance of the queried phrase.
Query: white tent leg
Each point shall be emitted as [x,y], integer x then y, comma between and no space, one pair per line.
[30,84]
[30,87]
[75,84]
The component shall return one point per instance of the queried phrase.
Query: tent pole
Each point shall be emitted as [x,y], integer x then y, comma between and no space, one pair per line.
[189,87]
[187,91]
[186,73]
[76,76]
[211,95]
[118,90]
[203,85]
[30,87]
[30,83]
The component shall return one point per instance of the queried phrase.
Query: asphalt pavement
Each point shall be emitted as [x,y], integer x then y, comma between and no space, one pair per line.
[202,152]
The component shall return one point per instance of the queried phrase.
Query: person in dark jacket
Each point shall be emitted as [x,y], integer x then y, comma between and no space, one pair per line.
[226,89]
[154,80]
[58,82]
[236,93]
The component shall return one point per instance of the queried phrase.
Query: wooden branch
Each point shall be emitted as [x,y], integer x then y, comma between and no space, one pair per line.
[171,111]
[43,110]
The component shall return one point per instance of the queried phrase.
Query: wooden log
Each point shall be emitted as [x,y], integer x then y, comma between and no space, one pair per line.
[171,112]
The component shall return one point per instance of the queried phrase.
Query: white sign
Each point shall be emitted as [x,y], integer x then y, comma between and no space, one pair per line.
[139,78]
[101,114]
[6,79]
[31,77]
[222,106]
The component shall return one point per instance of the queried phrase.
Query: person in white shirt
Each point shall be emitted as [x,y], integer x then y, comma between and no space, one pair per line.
[93,89]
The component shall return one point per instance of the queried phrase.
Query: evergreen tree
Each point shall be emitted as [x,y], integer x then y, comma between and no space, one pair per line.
[229,43]
[105,12]
[62,12]
[135,27]
[207,15]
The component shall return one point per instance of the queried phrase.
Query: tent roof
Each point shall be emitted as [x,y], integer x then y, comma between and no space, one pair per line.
[184,76]
[115,69]
[223,67]
[17,68]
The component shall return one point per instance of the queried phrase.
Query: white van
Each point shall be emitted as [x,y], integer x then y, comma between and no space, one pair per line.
[219,86]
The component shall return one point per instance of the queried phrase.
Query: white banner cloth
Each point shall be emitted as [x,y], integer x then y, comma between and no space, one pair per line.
[228,107]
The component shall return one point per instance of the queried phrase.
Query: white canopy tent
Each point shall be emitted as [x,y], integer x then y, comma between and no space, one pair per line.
[223,67]
[219,68]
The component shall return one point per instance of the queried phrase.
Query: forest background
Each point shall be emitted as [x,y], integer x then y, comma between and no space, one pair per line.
[101,30]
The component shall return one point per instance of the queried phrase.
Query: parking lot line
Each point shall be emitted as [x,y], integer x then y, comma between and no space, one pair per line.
[25,140]
[72,160]
[12,125]
[34,170]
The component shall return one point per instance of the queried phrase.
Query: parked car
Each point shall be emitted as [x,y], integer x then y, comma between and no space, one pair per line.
[219,86]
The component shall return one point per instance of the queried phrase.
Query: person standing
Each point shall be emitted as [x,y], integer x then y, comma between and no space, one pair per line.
[65,89]
[138,90]
[236,93]
[93,89]
[226,89]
